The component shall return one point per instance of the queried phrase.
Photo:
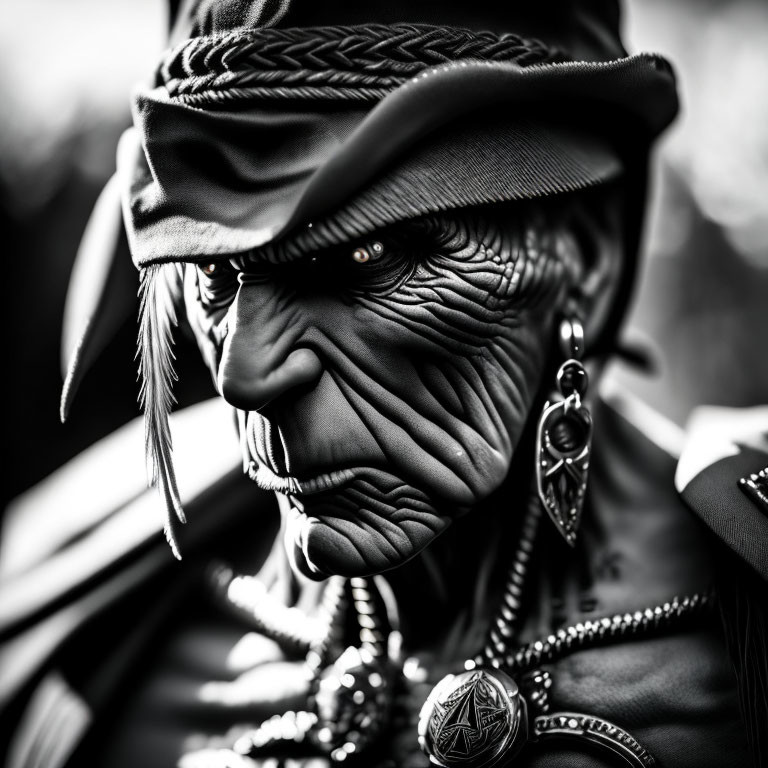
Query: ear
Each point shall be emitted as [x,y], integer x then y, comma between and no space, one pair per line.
[595,223]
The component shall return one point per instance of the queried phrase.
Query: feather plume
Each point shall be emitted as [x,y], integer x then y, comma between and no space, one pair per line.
[157,318]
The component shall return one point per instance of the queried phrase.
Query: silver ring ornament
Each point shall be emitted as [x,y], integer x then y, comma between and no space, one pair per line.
[479,719]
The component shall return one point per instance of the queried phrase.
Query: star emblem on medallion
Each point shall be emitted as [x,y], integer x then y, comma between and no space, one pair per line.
[466,719]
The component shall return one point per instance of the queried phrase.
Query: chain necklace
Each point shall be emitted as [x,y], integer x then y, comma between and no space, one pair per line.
[248,598]
[505,624]
[590,634]
[500,701]
[480,717]
[350,697]
[580,636]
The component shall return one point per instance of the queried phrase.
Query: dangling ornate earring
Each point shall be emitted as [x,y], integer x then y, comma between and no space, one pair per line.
[564,439]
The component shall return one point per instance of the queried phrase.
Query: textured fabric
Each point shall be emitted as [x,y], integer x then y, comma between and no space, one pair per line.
[724,446]
[219,198]
[588,29]
[509,159]
[361,63]
[715,496]
[210,182]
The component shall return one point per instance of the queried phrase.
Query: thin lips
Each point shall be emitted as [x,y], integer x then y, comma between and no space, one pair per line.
[268,480]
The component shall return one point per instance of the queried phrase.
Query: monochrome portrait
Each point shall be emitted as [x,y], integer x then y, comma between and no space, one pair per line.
[388,384]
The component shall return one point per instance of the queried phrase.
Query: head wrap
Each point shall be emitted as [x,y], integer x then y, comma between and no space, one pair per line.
[251,134]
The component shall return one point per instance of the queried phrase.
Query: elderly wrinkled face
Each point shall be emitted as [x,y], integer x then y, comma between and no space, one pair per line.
[382,386]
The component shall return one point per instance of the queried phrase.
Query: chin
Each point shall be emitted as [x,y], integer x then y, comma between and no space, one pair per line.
[371,524]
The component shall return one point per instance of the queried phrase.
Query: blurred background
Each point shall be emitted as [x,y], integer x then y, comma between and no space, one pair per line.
[66,71]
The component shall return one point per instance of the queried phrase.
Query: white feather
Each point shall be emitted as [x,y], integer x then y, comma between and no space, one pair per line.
[158,292]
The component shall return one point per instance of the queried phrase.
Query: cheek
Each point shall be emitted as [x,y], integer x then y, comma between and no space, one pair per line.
[450,383]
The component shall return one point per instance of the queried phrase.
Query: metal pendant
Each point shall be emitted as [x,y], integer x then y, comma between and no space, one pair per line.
[475,719]
[480,719]
[563,445]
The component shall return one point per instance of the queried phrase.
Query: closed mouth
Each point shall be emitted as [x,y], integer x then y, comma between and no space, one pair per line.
[351,521]
[268,464]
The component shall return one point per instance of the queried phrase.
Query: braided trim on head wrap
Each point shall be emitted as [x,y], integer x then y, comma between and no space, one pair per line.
[354,63]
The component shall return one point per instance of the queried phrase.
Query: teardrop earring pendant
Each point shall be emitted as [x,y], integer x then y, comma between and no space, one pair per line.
[564,439]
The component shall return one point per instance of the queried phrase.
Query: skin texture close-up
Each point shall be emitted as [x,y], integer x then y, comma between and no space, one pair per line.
[383,386]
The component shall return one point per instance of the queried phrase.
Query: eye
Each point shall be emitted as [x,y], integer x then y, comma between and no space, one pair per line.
[374,267]
[368,253]
[217,283]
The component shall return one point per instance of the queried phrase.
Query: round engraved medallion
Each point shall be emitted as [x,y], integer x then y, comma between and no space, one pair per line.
[475,719]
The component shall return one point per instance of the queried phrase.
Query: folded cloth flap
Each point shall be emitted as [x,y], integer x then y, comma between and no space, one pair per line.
[216,182]
[725,445]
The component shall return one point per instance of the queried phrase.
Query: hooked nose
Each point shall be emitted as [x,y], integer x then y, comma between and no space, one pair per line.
[260,360]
